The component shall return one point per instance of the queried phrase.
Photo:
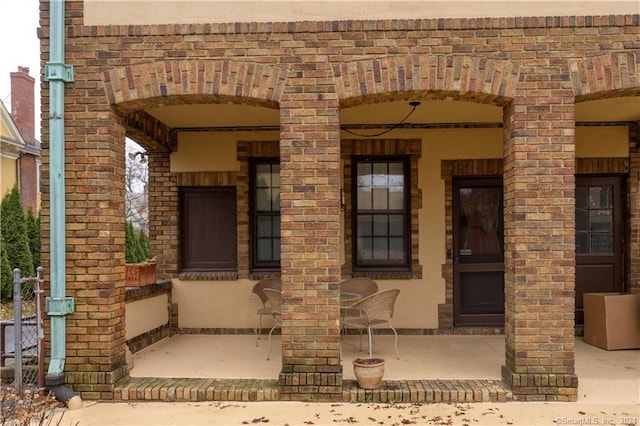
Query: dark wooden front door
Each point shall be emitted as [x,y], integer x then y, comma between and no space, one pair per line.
[478,235]
[599,237]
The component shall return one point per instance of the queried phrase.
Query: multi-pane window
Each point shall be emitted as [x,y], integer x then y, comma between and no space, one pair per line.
[265,188]
[594,219]
[381,214]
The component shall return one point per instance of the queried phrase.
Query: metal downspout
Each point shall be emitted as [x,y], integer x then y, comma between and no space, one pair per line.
[57,304]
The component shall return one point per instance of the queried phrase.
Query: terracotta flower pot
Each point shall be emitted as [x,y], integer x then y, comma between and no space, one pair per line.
[139,274]
[369,372]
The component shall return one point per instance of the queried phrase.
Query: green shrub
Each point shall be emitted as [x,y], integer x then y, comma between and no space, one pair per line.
[14,233]
[134,252]
[33,233]
[6,277]
[143,240]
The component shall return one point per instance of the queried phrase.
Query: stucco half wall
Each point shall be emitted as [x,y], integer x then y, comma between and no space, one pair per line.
[146,314]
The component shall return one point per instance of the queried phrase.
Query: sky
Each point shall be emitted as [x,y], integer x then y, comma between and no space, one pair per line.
[19,47]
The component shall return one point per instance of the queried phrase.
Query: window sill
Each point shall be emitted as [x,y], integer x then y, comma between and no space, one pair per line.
[384,275]
[208,276]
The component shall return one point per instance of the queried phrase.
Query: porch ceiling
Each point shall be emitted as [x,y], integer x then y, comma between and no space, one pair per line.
[156,128]
[430,111]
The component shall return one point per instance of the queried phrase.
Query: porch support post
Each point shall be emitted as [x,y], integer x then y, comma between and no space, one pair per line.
[162,191]
[310,232]
[539,179]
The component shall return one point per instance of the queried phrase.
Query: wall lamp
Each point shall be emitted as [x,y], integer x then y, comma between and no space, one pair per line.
[144,156]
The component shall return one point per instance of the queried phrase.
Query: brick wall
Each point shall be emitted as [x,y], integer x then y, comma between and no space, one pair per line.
[536,68]
[23,114]
[22,103]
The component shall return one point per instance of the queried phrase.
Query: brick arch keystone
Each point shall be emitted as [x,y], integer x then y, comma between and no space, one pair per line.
[461,77]
[609,75]
[193,81]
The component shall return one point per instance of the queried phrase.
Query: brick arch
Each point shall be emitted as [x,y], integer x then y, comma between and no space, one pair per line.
[606,76]
[490,81]
[194,81]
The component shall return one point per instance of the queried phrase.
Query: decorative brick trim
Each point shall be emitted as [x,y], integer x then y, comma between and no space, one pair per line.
[208,276]
[448,170]
[541,387]
[426,391]
[145,292]
[152,389]
[311,386]
[382,147]
[490,81]
[207,178]
[148,131]
[220,331]
[173,317]
[96,385]
[440,24]
[193,81]
[602,165]
[391,391]
[140,342]
[609,75]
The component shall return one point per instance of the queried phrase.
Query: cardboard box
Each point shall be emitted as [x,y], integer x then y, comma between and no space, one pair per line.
[612,320]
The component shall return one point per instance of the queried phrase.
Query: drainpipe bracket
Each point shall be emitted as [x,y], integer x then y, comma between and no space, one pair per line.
[58,72]
[59,306]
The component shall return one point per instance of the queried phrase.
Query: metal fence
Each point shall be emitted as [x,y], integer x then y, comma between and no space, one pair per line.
[21,338]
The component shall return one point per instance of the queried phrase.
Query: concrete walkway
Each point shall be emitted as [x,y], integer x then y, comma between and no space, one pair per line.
[297,413]
[609,387]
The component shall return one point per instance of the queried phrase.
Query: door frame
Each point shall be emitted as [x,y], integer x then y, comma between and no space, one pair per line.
[485,265]
[620,233]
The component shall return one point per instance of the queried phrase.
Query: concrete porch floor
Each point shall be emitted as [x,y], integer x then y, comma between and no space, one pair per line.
[447,368]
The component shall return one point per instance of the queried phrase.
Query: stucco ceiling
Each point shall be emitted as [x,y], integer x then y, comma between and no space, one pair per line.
[431,111]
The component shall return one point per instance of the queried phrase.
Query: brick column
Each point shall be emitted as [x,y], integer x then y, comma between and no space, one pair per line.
[539,179]
[163,216]
[310,177]
[95,168]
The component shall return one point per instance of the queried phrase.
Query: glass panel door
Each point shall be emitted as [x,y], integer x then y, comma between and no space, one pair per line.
[599,237]
[478,252]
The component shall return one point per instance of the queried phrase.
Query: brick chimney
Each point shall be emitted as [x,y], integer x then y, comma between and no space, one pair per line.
[22,103]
